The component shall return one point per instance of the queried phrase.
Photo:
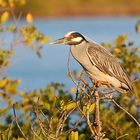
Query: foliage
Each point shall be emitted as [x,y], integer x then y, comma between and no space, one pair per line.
[54,112]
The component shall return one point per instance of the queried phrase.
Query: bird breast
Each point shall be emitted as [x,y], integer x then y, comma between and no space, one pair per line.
[80,54]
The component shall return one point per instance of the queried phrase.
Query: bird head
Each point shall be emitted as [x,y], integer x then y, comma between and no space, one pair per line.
[71,38]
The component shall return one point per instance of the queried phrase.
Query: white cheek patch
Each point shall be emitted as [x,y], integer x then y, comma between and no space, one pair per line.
[77,39]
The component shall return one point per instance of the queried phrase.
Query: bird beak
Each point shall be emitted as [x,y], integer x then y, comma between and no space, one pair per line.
[59,41]
[63,40]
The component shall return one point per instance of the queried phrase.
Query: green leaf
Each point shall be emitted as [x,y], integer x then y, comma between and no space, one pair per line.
[20,139]
[91,108]
[82,137]
[73,135]
[120,40]
[70,106]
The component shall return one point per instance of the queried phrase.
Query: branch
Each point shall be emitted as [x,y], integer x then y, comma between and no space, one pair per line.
[15,116]
[119,106]
[78,122]
[41,124]
[36,134]
[68,66]
[60,123]
[97,122]
[62,120]
[120,137]
[9,130]
[91,127]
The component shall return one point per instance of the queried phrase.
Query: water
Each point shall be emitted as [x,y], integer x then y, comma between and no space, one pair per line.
[37,73]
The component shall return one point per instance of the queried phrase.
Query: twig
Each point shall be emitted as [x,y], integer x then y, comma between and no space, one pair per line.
[68,66]
[77,122]
[60,124]
[15,116]
[49,126]
[42,128]
[14,16]
[80,109]
[85,83]
[36,134]
[9,130]
[91,127]
[126,112]
[38,119]
[62,120]
[40,122]
[48,121]
[66,118]
[120,137]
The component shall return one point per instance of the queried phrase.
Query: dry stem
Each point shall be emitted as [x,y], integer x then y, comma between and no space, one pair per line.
[15,116]
[126,112]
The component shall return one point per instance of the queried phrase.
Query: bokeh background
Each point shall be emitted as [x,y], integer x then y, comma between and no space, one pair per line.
[37,96]
[64,8]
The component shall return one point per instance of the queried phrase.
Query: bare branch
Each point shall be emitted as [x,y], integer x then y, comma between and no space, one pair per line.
[62,120]
[60,124]
[15,116]
[79,121]
[91,127]
[120,137]
[43,129]
[68,66]
[119,106]
[36,134]
[97,122]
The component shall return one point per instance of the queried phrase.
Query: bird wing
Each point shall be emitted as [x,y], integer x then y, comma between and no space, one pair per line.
[106,63]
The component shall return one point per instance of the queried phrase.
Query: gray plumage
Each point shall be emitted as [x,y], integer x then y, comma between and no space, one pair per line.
[108,64]
[98,63]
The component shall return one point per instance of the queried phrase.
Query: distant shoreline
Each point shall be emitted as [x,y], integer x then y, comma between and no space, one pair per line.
[100,14]
[80,8]
[85,15]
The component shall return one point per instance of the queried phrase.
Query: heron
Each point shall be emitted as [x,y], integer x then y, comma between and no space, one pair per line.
[99,64]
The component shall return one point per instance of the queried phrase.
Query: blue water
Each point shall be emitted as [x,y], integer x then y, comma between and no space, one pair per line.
[37,73]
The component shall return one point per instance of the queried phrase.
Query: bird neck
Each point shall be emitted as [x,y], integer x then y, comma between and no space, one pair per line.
[83,43]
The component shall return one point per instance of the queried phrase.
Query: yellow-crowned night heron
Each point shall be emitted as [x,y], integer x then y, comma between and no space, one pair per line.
[98,63]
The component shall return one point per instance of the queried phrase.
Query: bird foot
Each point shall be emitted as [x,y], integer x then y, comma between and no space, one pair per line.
[100,83]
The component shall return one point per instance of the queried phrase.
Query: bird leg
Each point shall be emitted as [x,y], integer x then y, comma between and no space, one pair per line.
[103,83]
[95,86]
[100,83]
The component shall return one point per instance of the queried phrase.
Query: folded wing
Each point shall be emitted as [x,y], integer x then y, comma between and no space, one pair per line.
[108,64]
